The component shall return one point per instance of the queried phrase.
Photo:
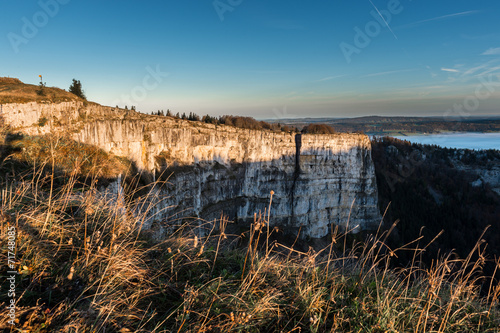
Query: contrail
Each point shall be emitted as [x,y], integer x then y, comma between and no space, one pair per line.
[387,24]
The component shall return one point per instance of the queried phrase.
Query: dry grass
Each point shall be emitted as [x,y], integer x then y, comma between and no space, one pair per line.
[14,91]
[86,265]
[66,155]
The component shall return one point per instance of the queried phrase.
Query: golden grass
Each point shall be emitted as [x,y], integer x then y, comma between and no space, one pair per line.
[14,91]
[85,264]
[67,156]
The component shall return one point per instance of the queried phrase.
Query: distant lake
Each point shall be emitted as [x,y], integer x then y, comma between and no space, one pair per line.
[457,140]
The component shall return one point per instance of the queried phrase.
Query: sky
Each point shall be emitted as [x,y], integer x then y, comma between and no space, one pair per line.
[263,58]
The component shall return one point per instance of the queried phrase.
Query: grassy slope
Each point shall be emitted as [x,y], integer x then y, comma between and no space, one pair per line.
[14,91]
[86,265]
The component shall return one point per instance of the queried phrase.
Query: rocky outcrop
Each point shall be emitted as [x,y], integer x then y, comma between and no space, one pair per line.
[317,180]
[486,169]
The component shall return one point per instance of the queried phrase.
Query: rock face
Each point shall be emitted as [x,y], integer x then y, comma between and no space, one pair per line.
[488,172]
[317,180]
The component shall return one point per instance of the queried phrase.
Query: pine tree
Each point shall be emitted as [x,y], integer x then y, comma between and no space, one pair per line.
[76,89]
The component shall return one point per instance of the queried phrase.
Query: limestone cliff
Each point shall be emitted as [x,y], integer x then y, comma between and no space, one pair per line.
[318,180]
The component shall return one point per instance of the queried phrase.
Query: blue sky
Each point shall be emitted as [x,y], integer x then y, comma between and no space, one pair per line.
[266,59]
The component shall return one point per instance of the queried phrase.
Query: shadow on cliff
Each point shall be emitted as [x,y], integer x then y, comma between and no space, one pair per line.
[313,189]
[55,159]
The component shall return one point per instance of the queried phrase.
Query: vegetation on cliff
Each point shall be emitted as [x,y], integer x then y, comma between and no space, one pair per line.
[236,121]
[374,125]
[76,89]
[86,264]
[318,129]
[14,91]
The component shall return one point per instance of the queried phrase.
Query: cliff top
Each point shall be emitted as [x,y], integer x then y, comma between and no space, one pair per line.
[13,90]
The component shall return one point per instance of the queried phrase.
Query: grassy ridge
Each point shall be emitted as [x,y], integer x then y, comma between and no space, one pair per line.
[14,91]
[86,264]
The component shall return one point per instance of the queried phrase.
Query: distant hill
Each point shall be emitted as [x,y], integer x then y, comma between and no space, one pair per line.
[378,125]
[13,90]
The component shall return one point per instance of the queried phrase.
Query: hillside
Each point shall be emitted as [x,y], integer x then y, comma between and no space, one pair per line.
[375,125]
[12,90]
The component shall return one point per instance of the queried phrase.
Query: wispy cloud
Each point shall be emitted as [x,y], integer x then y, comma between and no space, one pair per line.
[331,78]
[382,16]
[452,70]
[490,70]
[390,72]
[486,67]
[440,18]
[267,72]
[492,51]
[474,69]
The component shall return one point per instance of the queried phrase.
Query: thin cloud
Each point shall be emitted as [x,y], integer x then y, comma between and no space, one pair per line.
[485,67]
[439,18]
[331,78]
[382,16]
[491,70]
[389,72]
[267,72]
[474,69]
[492,51]
[452,70]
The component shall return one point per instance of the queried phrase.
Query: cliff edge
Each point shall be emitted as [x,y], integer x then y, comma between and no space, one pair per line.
[317,180]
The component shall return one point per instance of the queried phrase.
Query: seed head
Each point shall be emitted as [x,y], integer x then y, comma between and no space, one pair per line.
[71,271]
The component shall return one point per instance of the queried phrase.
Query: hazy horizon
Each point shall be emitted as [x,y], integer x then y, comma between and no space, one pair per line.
[264,60]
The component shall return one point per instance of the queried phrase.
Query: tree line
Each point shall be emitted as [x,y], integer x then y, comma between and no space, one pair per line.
[247,123]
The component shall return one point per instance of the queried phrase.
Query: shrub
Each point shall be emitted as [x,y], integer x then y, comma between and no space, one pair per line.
[318,129]
[76,89]
[42,121]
